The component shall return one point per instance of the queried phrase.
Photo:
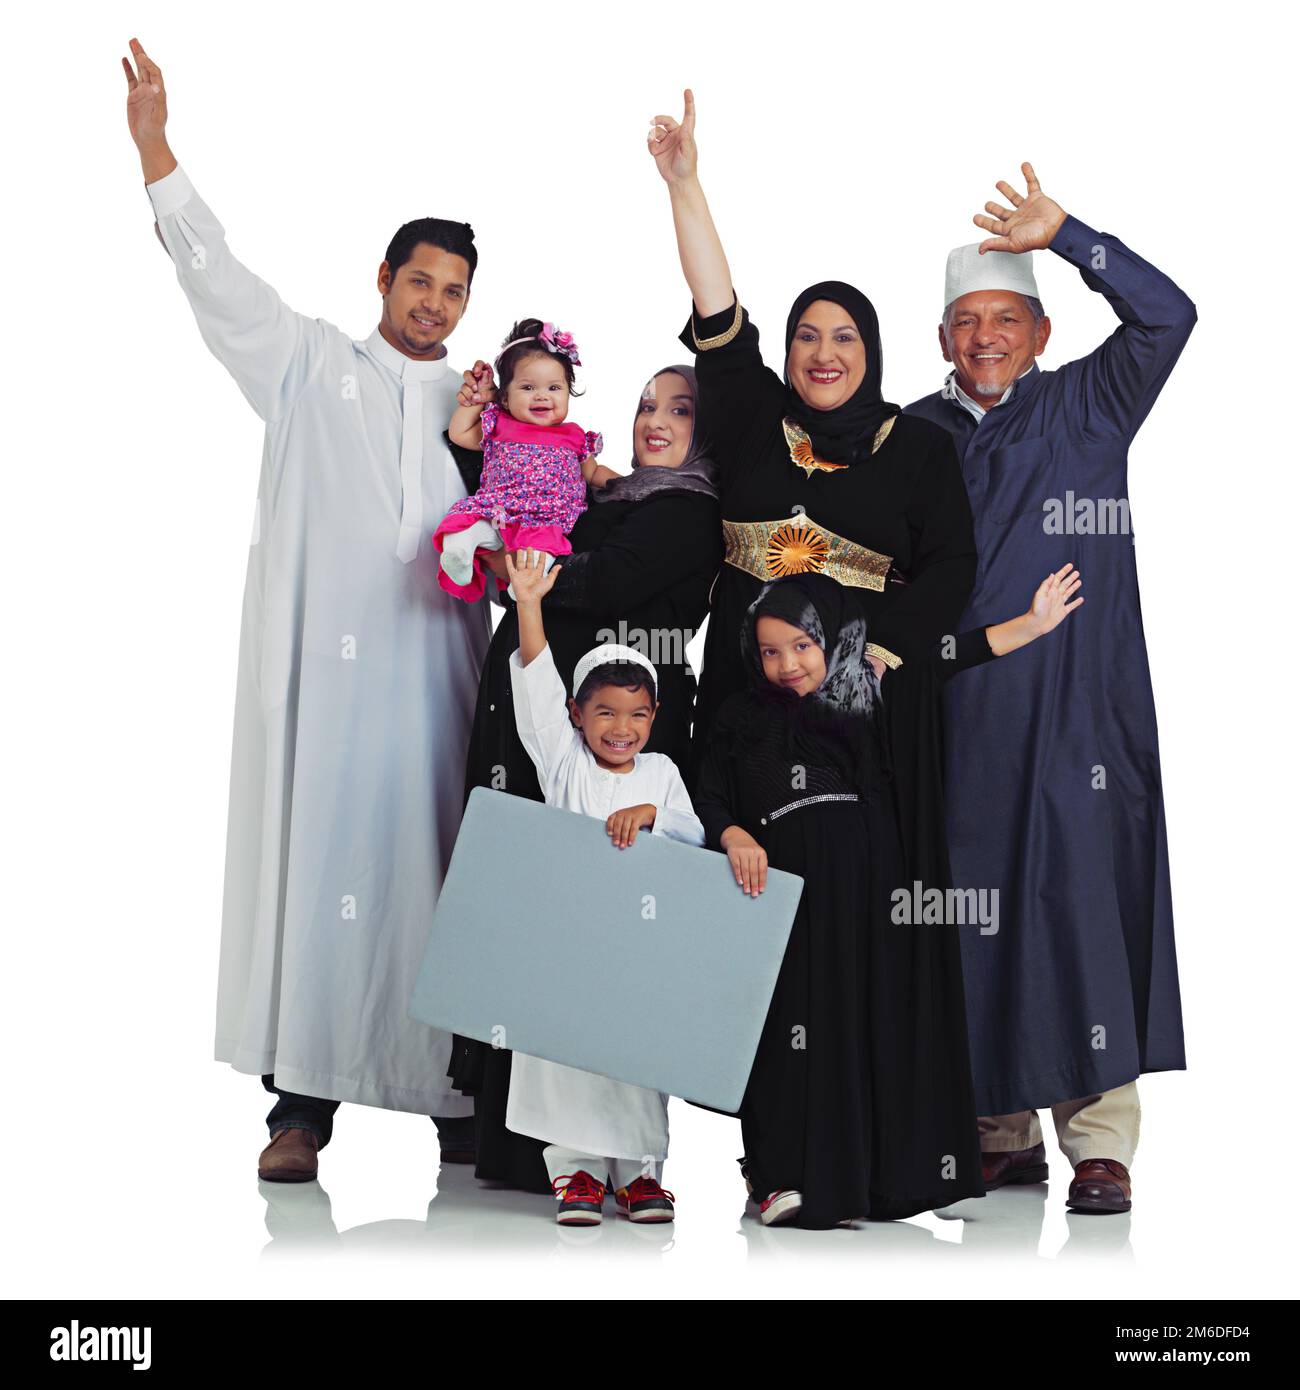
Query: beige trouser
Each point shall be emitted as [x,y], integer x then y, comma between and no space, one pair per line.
[1104,1126]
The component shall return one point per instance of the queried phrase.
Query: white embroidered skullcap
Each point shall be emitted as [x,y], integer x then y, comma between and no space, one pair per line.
[611,651]
[968,271]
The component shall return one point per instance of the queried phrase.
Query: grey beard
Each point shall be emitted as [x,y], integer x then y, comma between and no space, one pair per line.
[988,388]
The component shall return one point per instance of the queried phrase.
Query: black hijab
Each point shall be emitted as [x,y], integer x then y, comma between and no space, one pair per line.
[845,434]
[837,721]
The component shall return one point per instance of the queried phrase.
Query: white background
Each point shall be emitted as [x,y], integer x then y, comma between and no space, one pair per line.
[836,140]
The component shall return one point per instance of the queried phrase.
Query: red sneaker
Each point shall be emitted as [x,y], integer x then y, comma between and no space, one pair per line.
[645,1200]
[580,1197]
[779,1207]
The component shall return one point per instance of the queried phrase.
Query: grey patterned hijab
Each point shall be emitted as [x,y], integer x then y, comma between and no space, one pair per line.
[836,722]
[695,473]
[828,614]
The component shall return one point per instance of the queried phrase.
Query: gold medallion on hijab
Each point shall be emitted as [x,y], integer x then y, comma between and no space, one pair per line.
[801,450]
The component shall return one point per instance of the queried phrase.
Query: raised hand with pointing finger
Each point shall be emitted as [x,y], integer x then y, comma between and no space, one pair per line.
[704,263]
[672,144]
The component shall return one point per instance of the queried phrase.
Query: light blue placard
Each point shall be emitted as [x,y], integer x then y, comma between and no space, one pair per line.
[647,964]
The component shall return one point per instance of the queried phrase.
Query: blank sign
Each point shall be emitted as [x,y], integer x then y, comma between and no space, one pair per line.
[646,964]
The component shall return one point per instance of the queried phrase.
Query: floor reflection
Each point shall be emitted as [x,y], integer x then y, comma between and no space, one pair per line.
[465,1215]
[469,1216]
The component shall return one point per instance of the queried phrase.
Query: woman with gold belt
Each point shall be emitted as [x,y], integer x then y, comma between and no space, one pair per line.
[818,474]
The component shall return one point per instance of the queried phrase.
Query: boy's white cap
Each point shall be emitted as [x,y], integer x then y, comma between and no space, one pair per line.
[968,271]
[611,651]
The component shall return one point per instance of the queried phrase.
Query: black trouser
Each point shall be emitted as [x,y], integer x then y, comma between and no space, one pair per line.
[293,1111]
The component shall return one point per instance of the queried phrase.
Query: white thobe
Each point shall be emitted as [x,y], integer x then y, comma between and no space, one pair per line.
[355,695]
[562,1105]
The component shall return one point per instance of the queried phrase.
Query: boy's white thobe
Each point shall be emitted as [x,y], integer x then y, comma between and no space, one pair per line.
[579,1110]
[355,696]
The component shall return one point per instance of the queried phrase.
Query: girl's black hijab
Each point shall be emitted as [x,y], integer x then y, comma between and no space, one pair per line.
[837,722]
[845,434]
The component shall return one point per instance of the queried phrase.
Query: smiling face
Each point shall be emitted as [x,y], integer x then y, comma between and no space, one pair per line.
[828,359]
[791,659]
[665,421]
[424,300]
[538,392]
[615,723]
[990,338]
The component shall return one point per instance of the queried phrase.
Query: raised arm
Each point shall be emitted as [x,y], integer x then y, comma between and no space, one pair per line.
[270,350]
[1116,384]
[146,114]
[536,687]
[704,263]
[1054,600]
[738,393]
[531,584]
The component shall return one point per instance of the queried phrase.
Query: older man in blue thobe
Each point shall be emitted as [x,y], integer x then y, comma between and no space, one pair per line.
[1053,774]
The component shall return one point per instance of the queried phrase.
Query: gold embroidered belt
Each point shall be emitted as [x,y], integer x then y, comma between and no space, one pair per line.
[774,549]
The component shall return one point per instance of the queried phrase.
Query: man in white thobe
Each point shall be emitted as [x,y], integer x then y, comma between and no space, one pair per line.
[357,673]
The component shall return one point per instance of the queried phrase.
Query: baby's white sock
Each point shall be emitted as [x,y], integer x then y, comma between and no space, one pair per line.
[458,550]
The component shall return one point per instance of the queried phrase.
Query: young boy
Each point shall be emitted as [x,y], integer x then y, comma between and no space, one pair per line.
[587,759]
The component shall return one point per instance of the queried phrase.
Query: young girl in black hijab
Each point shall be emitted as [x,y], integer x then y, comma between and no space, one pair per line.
[859,1102]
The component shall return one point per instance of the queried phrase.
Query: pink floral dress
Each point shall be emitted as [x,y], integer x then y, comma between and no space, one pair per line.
[531,489]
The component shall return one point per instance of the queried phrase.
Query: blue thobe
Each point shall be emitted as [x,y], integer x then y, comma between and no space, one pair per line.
[1053,765]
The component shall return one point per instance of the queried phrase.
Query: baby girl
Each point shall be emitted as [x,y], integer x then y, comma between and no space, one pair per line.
[536,465]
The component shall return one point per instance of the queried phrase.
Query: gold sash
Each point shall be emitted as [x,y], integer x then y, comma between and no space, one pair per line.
[798,545]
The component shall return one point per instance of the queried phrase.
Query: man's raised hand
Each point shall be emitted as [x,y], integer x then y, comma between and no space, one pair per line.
[146,114]
[146,100]
[1029,225]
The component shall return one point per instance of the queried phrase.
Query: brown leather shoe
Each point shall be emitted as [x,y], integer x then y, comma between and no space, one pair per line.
[1101,1185]
[289,1157]
[1014,1166]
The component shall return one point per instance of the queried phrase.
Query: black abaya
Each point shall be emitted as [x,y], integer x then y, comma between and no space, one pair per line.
[893,1049]
[859,1097]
